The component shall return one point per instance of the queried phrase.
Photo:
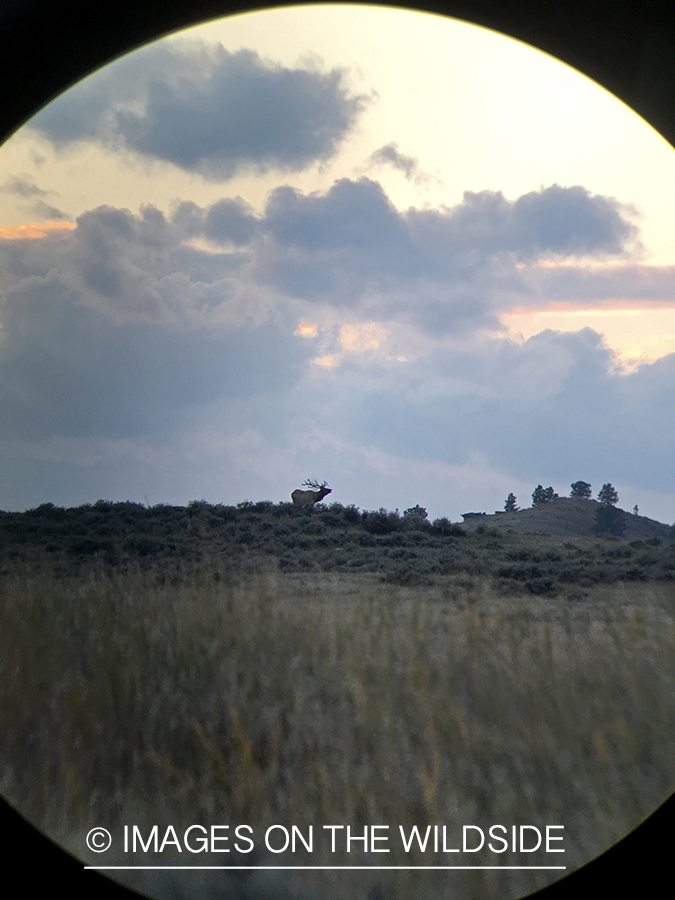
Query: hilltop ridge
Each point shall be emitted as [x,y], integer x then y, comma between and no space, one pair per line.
[565,517]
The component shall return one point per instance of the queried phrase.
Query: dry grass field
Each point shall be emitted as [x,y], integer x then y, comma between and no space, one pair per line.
[194,694]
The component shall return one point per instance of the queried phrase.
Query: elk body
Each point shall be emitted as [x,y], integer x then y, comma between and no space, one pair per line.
[309,498]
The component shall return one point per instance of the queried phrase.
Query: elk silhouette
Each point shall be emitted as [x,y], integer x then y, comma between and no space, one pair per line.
[309,498]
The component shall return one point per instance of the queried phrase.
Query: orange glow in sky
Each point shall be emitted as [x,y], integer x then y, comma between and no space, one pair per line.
[326,362]
[33,230]
[307,329]
[636,334]
[358,338]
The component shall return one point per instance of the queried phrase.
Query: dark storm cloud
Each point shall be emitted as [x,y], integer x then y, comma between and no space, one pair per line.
[409,165]
[207,111]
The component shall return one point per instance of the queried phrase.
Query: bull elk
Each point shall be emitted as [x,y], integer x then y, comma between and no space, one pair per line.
[309,498]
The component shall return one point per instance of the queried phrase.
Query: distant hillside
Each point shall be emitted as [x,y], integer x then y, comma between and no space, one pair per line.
[406,550]
[567,517]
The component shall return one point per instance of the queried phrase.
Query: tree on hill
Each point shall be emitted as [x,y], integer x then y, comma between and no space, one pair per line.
[415,513]
[607,495]
[581,489]
[543,495]
[609,520]
[510,505]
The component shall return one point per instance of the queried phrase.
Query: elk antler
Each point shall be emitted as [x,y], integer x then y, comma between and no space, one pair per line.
[314,484]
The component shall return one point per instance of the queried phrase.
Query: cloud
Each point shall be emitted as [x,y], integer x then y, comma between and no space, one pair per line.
[48,212]
[450,270]
[22,186]
[118,329]
[353,215]
[68,369]
[443,269]
[227,221]
[207,111]
[389,154]
[551,409]
[554,221]
[124,335]
[129,267]
[593,285]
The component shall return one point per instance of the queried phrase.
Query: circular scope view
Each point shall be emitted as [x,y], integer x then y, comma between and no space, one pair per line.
[337,356]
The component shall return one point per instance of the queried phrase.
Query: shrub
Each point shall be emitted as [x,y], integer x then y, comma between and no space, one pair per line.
[284,509]
[48,509]
[380,522]
[521,555]
[88,546]
[226,513]
[441,526]
[332,520]
[143,546]
[445,528]
[507,587]
[415,512]
[541,586]
[352,514]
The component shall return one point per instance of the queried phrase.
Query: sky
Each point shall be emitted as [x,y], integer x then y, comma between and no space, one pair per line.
[397,252]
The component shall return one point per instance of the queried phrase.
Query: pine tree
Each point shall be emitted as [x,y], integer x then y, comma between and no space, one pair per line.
[538,495]
[608,496]
[581,489]
[543,495]
[510,505]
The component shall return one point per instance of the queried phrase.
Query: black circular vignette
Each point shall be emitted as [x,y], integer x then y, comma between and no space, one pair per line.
[625,45]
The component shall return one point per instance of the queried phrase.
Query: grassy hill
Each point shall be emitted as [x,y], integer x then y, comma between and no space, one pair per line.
[567,517]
